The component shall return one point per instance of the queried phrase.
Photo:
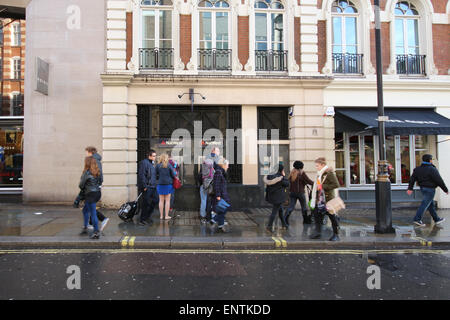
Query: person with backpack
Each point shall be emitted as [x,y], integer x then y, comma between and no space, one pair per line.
[323,191]
[90,183]
[276,195]
[428,179]
[207,175]
[220,193]
[147,186]
[298,181]
[165,174]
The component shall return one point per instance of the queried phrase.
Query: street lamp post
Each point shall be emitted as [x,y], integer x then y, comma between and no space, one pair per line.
[382,184]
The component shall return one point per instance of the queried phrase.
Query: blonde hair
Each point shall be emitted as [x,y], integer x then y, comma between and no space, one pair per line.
[222,162]
[321,160]
[164,159]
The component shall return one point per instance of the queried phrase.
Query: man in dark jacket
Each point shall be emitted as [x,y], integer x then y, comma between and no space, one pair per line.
[147,186]
[276,195]
[428,178]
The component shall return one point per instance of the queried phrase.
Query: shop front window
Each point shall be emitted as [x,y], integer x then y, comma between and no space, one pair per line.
[405,158]
[421,147]
[390,157]
[369,158]
[354,160]
[11,155]
[357,157]
[340,158]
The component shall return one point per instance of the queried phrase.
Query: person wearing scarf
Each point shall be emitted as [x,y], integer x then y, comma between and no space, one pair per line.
[275,194]
[323,191]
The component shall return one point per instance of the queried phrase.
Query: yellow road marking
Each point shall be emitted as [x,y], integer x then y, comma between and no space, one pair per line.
[283,242]
[423,242]
[224,251]
[131,242]
[124,241]
[277,242]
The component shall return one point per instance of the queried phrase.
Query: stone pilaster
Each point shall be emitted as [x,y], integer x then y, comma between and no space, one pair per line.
[116,35]
[307,11]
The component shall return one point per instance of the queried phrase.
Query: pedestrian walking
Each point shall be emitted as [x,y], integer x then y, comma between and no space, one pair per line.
[220,193]
[147,186]
[276,185]
[165,174]
[90,183]
[214,156]
[428,178]
[325,185]
[207,175]
[175,165]
[298,180]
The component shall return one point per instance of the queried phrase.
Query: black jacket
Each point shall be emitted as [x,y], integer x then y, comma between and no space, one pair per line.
[89,183]
[276,188]
[220,185]
[146,175]
[427,176]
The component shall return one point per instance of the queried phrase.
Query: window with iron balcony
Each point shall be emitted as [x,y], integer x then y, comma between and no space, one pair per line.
[214,52]
[156,52]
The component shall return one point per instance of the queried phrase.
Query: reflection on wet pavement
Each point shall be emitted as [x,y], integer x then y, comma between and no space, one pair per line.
[21,220]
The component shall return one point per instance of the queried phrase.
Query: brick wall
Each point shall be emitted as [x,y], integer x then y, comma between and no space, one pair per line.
[297,53]
[185,38]
[129,36]
[441,47]
[385,46]
[439,5]
[322,43]
[243,39]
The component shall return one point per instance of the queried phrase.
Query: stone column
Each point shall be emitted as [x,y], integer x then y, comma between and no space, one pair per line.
[116,35]
[119,140]
[250,145]
[307,11]
[311,134]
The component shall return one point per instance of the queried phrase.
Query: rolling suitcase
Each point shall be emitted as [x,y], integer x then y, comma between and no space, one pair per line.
[128,210]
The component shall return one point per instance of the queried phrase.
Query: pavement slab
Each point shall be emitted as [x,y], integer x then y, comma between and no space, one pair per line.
[23,225]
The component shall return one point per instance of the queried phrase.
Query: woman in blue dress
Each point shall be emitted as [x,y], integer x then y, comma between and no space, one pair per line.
[165,174]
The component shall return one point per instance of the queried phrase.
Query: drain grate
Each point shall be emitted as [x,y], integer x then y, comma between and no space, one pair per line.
[191,218]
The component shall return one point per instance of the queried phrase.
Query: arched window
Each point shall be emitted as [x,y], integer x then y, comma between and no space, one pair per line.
[407,49]
[406,28]
[345,38]
[270,51]
[214,35]
[157,39]
[269,33]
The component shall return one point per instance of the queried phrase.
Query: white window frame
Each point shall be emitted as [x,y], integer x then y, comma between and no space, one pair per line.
[13,68]
[404,19]
[11,101]
[16,40]
[362,155]
[268,12]
[343,30]
[156,9]
[213,11]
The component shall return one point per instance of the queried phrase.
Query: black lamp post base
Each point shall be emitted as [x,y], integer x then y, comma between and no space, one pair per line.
[383,207]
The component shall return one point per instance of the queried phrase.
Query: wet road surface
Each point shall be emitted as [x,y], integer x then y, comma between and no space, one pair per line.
[203,275]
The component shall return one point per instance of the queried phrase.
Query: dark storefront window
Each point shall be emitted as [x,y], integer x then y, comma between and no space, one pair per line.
[156,125]
[11,155]
[274,118]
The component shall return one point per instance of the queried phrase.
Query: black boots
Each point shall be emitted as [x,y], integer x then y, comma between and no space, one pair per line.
[334,237]
[306,219]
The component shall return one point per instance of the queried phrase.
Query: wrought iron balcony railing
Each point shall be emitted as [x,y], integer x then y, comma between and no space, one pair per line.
[214,59]
[347,63]
[155,58]
[411,64]
[271,60]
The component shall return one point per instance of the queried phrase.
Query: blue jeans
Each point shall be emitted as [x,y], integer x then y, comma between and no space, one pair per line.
[89,210]
[204,198]
[220,218]
[427,203]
